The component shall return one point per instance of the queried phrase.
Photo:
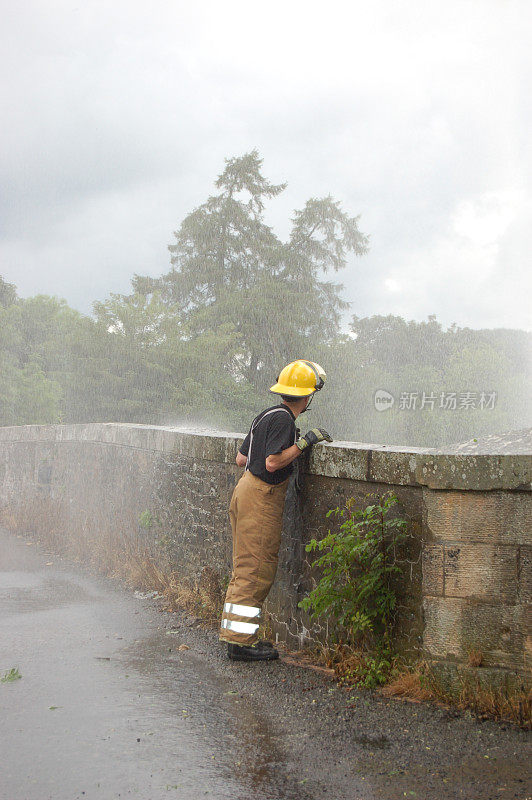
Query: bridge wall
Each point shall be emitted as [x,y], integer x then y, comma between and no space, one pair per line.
[102,488]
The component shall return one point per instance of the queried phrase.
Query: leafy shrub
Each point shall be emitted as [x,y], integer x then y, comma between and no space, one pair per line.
[358,562]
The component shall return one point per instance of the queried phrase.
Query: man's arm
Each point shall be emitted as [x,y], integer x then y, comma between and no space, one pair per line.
[280,460]
[242,452]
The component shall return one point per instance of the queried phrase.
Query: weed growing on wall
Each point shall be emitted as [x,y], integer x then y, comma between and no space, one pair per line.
[11,675]
[146,519]
[357,564]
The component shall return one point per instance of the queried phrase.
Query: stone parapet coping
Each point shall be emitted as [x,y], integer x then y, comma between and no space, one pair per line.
[391,464]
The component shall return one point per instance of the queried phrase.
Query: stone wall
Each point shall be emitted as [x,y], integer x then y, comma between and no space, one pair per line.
[467,582]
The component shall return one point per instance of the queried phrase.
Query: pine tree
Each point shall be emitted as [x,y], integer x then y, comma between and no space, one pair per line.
[230,269]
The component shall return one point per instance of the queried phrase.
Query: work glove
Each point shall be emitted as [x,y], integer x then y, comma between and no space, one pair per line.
[313,437]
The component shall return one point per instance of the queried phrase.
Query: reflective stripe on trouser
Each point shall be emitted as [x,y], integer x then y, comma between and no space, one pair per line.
[256,514]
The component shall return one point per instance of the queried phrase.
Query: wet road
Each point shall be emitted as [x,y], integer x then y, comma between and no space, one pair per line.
[108,706]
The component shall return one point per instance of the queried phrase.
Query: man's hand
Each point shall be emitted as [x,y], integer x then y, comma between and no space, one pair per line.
[241,459]
[313,437]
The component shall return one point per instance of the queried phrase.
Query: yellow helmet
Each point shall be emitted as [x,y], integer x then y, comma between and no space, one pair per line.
[299,379]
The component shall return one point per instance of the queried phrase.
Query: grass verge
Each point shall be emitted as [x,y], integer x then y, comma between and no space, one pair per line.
[468,690]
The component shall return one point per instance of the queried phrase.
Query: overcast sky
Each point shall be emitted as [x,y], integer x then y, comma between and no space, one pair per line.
[117,117]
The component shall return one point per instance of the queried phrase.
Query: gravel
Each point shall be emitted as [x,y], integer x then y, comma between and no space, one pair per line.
[357,744]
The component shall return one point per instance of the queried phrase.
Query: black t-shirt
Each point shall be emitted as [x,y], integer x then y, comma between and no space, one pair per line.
[272,431]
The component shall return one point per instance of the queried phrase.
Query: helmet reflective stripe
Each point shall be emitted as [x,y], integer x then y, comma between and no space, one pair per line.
[242,611]
[272,411]
[239,627]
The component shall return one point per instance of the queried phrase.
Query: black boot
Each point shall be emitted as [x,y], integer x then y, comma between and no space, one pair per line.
[260,651]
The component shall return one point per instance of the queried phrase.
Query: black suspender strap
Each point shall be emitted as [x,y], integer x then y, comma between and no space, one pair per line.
[271,411]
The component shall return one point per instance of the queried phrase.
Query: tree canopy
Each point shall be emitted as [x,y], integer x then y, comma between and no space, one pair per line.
[202,342]
[230,269]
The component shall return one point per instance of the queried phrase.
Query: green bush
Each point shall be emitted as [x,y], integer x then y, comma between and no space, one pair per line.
[356,589]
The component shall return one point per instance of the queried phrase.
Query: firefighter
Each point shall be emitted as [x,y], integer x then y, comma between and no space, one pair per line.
[256,509]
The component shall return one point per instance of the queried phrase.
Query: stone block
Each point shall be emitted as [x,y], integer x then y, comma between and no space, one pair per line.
[502,517]
[19,472]
[232,443]
[454,627]
[479,570]
[339,462]
[392,467]
[475,472]
[453,678]
[525,574]
[143,437]
[432,566]
[108,432]
[67,433]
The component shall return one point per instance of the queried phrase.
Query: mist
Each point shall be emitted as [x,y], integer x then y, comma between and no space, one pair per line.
[193,198]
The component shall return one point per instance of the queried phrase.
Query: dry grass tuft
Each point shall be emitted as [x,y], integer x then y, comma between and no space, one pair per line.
[514,705]
[511,704]
[474,658]
[139,569]
[420,683]
[409,683]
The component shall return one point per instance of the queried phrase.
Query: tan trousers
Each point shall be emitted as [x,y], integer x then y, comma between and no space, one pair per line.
[256,514]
